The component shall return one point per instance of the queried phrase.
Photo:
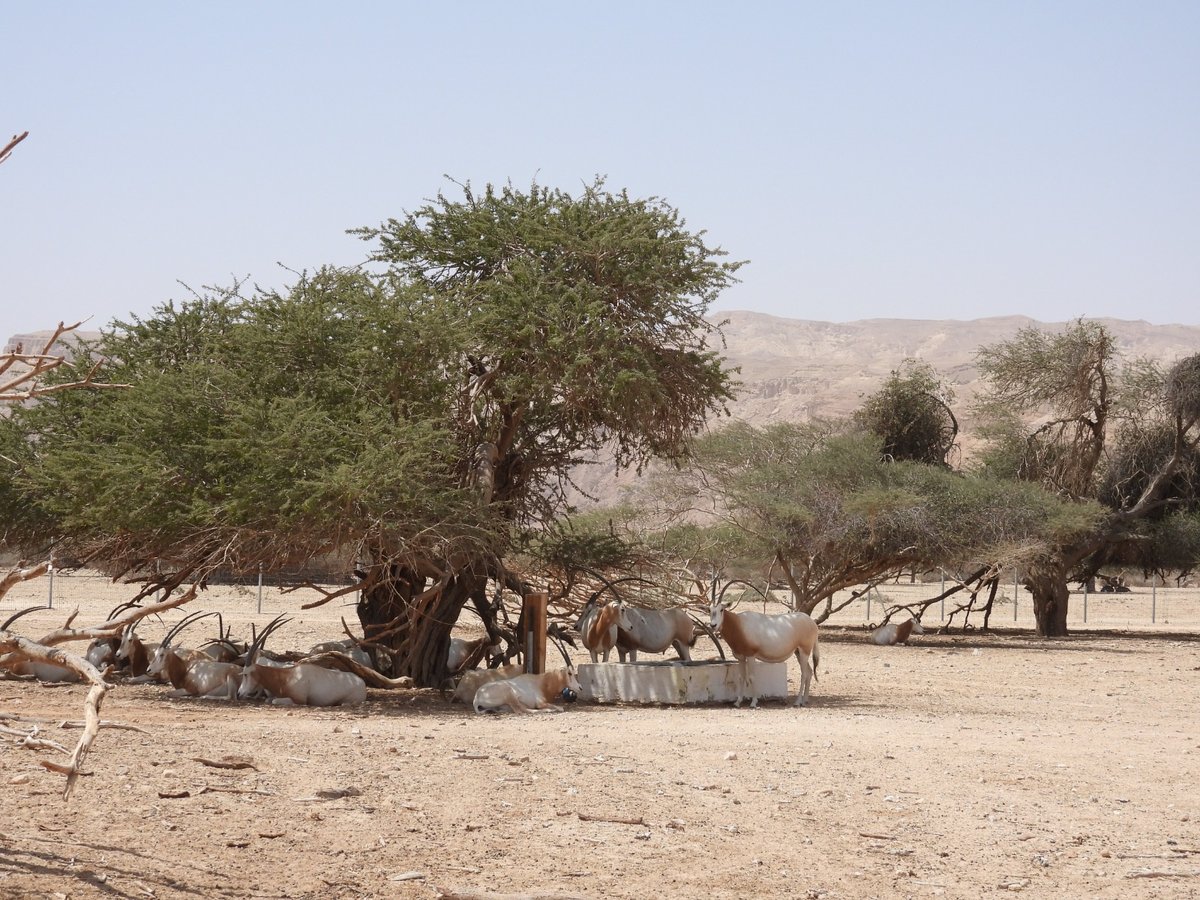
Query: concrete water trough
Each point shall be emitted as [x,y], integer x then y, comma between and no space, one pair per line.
[676,682]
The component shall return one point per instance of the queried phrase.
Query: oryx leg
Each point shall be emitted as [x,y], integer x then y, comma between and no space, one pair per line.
[684,651]
[806,673]
[743,676]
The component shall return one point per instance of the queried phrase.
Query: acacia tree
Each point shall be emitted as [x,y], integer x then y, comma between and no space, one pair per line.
[911,413]
[409,422]
[1053,402]
[832,512]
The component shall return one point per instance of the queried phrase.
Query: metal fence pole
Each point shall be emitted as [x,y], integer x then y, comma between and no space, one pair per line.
[50,572]
[260,575]
[868,604]
[943,592]
[1085,599]
[1015,595]
[1153,601]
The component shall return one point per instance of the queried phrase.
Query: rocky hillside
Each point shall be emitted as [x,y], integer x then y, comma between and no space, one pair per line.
[794,369]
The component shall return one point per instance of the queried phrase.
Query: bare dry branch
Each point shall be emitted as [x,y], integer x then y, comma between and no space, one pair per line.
[26,649]
[8,148]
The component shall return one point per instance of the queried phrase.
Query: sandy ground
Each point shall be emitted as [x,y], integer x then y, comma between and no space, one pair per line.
[959,766]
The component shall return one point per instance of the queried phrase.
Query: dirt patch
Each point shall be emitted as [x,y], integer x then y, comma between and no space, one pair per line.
[954,767]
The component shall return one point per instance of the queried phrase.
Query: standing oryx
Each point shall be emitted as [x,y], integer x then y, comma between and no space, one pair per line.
[752,635]
[654,630]
[599,625]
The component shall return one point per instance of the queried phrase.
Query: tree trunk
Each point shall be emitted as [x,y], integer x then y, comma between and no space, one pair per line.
[409,622]
[1051,599]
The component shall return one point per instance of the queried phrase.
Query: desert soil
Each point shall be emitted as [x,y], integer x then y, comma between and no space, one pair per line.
[958,766]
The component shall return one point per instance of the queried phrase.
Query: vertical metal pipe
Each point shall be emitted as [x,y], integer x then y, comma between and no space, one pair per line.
[50,572]
[260,576]
[943,593]
[1015,595]
[1153,602]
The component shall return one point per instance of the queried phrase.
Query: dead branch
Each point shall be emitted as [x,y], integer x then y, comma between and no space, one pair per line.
[8,148]
[615,820]
[115,626]
[338,660]
[18,574]
[26,649]
[327,596]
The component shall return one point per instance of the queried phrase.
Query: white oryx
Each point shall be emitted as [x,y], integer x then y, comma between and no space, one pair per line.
[461,651]
[193,673]
[654,630]
[42,671]
[599,626]
[892,633]
[752,635]
[303,684]
[527,693]
[472,681]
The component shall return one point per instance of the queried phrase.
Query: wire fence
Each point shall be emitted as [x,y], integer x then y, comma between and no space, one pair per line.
[1143,607]
[1148,607]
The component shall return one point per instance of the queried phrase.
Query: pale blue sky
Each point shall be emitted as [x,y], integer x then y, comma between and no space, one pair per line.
[905,159]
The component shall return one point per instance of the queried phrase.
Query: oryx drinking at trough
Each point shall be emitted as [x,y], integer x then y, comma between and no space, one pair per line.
[752,635]
[654,630]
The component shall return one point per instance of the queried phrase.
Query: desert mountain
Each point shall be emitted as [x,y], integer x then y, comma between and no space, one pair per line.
[795,369]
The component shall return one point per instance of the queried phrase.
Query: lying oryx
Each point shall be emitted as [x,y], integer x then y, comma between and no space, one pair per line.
[752,635]
[42,671]
[194,674]
[472,681]
[303,684]
[892,633]
[527,693]
[462,651]
[599,625]
[654,630]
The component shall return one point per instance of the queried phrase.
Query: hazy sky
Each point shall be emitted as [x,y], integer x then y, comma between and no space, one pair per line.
[900,159]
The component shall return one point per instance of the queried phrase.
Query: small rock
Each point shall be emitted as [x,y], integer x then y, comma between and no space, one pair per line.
[23,778]
[731,755]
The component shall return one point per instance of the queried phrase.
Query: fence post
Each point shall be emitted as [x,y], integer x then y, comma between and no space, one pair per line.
[943,593]
[868,605]
[50,572]
[260,574]
[534,619]
[1015,595]
[1153,601]
[1085,599]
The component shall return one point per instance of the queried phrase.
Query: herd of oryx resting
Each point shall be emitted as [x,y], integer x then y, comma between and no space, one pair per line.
[337,672]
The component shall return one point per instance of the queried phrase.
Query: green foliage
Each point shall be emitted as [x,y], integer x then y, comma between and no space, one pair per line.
[586,312]
[427,412]
[911,414]
[823,502]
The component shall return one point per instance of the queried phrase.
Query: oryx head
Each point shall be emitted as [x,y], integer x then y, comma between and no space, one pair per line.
[717,614]
[248,686]
[160,655]
[570,692]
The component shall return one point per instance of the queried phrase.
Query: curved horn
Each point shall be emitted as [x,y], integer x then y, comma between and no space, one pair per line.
[712,635]
[18,615]
[721,596]
[261,638]
[182,624]
[561,649]
[121,607]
